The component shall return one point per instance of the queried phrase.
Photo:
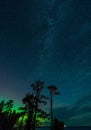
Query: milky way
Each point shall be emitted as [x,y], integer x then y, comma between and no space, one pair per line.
[50,41]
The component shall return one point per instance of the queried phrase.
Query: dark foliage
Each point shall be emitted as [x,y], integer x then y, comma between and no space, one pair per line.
[33,102]
[8,117]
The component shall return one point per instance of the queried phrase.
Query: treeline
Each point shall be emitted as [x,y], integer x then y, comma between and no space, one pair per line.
[28,117]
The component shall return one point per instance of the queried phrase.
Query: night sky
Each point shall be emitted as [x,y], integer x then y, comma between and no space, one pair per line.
[48,40]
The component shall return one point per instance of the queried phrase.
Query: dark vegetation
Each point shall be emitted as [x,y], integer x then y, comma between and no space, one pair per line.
[32,109]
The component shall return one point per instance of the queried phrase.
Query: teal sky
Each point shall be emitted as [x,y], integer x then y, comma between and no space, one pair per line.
[48,41]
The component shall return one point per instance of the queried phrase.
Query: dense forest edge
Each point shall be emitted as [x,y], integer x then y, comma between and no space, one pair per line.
[31,114]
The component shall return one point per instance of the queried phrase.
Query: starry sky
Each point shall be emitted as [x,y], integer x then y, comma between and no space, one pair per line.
[48,40]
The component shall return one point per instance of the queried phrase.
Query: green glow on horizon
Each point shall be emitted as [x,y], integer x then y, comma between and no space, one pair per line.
[16,105]
[22,119]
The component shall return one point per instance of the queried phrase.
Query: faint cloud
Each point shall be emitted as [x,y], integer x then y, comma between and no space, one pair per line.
[78,114]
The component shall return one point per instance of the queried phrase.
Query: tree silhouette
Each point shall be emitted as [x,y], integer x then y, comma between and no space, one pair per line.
[2,104]
[33,102]
[8,117]
[9,105]
[32,109]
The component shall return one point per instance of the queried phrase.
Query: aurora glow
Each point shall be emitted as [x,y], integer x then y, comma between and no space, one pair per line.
[48,40]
